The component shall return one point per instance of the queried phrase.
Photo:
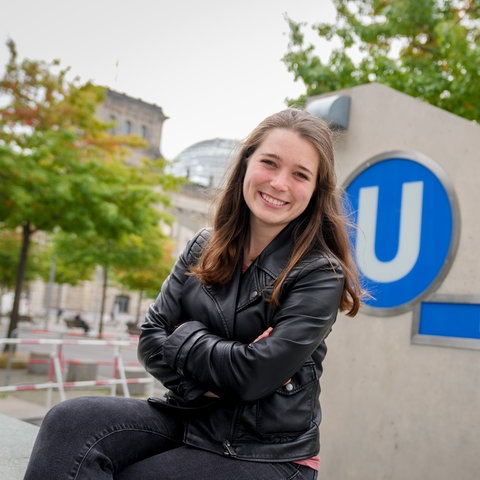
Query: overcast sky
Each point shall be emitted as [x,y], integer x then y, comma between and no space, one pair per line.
[213,66]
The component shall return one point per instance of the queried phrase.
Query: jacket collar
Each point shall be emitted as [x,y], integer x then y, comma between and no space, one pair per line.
[276,254]
[272,261]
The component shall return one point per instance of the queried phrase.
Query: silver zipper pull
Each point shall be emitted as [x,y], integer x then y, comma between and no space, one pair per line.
[228,449]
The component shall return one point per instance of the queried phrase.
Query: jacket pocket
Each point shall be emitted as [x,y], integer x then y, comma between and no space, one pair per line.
[290,410]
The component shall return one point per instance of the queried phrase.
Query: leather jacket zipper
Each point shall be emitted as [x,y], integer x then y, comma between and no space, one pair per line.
[229,449]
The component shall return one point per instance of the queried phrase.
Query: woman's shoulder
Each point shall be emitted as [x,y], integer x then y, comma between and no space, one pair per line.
[197,243]
[318,261]
[315,269]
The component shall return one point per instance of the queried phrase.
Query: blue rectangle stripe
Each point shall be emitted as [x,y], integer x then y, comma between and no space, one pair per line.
[461,320]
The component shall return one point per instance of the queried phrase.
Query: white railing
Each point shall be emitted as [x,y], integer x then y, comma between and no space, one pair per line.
[57,361]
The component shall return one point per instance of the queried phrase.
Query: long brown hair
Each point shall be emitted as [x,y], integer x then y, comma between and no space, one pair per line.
[322,225]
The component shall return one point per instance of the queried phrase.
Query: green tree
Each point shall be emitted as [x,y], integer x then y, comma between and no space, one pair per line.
[61,169]
[147,277]
[9,249]
[10,243]
[428,49]
[130,254]
[60,268]
[69,267]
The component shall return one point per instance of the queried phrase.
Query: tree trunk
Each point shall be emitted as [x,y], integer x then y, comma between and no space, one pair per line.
[2,292]
[59,306]
[21,269]
[139,307]
[104,299]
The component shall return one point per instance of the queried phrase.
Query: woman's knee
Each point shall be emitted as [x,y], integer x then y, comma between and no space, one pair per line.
[69,413]
[64,410]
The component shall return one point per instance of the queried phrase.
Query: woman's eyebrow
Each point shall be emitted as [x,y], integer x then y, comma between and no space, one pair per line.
[297,165]
[305,169]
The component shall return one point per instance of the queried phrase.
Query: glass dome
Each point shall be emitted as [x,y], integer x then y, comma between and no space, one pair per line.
[205,163]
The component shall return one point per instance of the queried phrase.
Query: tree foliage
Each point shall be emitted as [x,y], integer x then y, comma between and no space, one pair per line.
[428,49]
[131,258]
[60,167]
[10,242]
[9,250]
[153,266]
[147,276]
[68,264]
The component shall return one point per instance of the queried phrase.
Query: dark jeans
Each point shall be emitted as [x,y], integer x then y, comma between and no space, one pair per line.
[122,438]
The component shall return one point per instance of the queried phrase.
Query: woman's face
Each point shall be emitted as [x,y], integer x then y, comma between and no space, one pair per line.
[280,179]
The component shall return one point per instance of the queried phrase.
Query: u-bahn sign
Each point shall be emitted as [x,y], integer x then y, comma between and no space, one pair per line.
[406,231]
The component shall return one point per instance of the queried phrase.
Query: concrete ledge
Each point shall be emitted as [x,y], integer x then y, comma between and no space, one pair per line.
[15,448]
[39,363]
[80,370]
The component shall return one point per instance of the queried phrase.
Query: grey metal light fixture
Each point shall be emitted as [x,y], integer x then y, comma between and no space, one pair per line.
[334,109]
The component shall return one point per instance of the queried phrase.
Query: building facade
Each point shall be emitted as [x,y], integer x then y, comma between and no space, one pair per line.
[204,165]
[132,116]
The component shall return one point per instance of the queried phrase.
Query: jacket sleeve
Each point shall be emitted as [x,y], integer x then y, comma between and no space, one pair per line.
[307,311]
[161,320]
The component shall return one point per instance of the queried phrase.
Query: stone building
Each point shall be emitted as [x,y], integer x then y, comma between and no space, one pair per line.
[132,116]
[205,165]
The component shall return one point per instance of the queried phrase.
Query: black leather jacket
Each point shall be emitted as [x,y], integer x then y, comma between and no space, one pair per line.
[269,390]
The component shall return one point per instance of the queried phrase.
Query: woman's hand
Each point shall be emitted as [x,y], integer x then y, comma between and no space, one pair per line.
[210,395]
[265,334]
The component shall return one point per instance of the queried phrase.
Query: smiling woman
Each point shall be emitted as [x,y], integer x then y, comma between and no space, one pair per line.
[279,182]
[237,333]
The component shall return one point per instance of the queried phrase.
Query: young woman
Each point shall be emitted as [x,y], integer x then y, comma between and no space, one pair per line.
[236,335]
